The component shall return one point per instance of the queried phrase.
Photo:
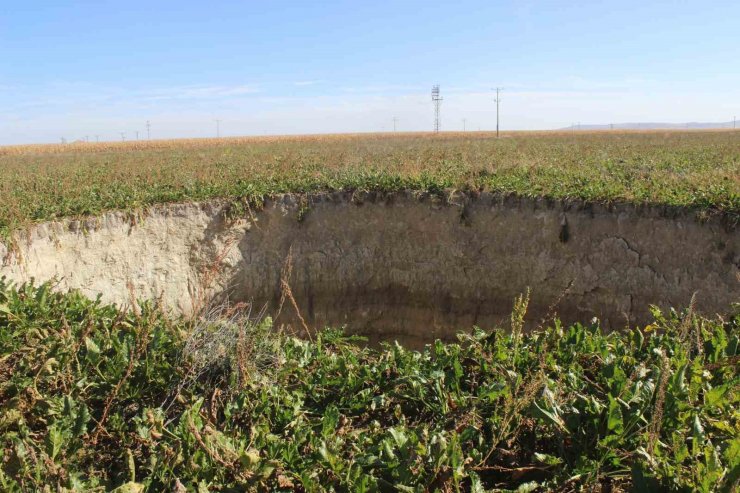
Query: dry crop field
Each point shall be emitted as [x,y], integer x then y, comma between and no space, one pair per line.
[695,169]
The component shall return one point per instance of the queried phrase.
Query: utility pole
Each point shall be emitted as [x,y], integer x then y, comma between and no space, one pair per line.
[87,139]
[734,122]
[498,101]
[97,138]
[148,131]
[395,120]
[64,141]
[218,128]
[464,121]
[123,136]
[437,100]
[137,135]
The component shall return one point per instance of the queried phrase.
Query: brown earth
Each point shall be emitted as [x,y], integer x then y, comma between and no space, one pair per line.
[407,265]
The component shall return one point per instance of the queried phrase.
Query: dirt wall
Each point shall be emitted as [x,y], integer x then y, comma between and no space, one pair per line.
[409,265]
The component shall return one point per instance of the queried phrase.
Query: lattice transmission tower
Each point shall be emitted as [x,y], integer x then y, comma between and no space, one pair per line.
[437,100]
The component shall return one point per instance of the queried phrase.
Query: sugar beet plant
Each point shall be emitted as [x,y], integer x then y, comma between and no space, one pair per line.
[97,398]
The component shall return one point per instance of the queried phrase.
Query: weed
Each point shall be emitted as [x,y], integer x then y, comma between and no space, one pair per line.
[82,387]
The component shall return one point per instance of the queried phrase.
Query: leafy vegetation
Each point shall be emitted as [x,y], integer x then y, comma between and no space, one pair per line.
[693,169]
[95,397]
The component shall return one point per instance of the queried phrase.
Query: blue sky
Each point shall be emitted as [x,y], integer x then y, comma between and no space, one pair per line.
[70,69]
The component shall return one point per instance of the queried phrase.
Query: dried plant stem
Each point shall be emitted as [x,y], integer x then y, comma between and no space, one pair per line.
[657,419]
[287,293]
[141,343]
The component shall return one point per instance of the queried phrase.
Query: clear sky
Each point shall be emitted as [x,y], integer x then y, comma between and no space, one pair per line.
[70,69]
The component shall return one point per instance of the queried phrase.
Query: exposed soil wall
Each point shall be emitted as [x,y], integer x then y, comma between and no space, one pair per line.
[408,265]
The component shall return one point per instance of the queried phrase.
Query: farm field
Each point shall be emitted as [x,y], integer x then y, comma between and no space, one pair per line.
[693,169]
[261,247]
[101,397]
[95,398]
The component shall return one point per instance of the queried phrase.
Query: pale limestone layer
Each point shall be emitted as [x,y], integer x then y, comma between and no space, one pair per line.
[403,265]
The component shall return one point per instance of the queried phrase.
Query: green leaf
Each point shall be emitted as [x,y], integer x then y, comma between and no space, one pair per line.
[82,417]
[680,378]
[250,458]
[698,436]
[324,453]
[642,480]
[528,487]
[476,486]
[615,421]
[130,487]
[398,436]
[716,396]
[131,463]
[54,440]
[549,416]
[330,421]
[550,460]
[91,346]
[388,450]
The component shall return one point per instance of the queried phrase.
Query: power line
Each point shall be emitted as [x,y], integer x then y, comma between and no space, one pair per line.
[498,101]
[437,100]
